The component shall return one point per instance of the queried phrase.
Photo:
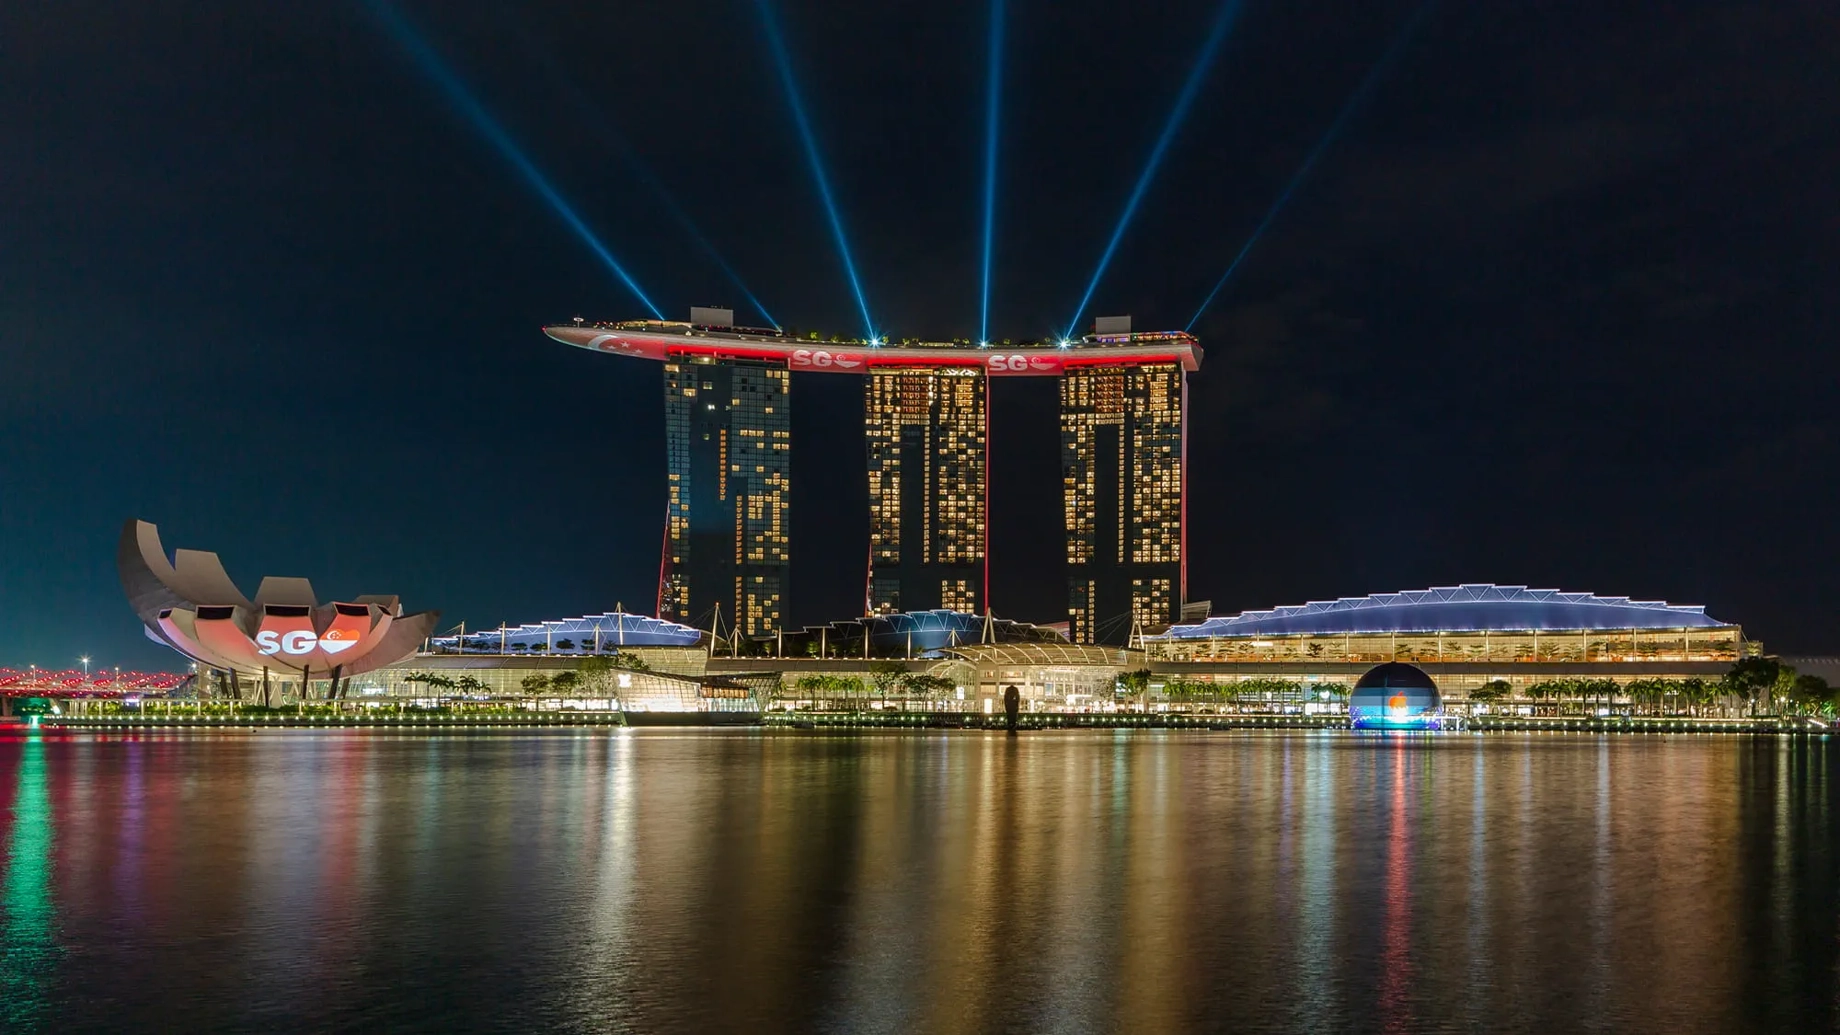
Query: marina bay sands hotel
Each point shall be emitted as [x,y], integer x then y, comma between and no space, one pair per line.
[728,434]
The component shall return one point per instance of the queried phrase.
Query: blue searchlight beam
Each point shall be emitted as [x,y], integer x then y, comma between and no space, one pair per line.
[615,142]
[992,110]
[784,61]
[482,120]
[1223,22]
[1349,107]
[671,205]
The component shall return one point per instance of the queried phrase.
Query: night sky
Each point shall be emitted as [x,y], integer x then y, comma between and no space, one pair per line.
[1557,307]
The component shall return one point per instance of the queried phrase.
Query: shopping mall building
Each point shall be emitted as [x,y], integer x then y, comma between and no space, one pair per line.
[1462,636]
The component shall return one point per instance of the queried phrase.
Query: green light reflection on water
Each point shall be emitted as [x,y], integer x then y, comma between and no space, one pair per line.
[26,949]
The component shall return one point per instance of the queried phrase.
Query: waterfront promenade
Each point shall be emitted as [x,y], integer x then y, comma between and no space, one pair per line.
[181,717]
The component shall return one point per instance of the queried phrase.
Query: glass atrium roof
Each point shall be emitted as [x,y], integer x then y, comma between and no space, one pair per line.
[610,630]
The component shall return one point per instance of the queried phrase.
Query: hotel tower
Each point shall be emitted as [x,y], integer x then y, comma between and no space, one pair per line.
[926,434]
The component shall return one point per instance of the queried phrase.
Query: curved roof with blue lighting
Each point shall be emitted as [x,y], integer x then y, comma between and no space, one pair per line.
[1482,607]
[922,633]
[930,630]
[589,634]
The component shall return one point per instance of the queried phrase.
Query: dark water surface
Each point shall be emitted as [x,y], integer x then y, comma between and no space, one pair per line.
[656,881]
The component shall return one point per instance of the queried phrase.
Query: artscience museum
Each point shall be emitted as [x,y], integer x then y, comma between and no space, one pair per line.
[284,635]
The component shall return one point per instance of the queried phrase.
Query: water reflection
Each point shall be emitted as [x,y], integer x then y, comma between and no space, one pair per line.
[27,952]
[658,881]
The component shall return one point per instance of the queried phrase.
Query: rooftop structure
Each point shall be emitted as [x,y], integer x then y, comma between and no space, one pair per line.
[660,339]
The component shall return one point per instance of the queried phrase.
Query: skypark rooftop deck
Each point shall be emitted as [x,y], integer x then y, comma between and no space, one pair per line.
[661,339]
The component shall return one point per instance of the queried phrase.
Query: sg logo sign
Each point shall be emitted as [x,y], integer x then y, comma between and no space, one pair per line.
[294,641]
[1020,364]
[824,360]
[297,642]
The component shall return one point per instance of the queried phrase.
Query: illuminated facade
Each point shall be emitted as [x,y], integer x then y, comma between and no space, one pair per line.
[1122,489]
[926,433]
[728,443]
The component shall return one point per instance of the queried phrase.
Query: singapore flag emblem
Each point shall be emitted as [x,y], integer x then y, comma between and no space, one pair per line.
[338,641]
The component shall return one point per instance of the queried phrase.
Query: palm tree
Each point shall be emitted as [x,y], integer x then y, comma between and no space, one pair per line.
[1491,692]
[927,686]
[887,675]
[1751,679]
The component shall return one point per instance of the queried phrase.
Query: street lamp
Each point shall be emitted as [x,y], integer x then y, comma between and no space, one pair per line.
[85,660]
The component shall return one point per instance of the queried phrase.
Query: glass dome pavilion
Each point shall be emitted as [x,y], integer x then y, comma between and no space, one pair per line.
[1395,696]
